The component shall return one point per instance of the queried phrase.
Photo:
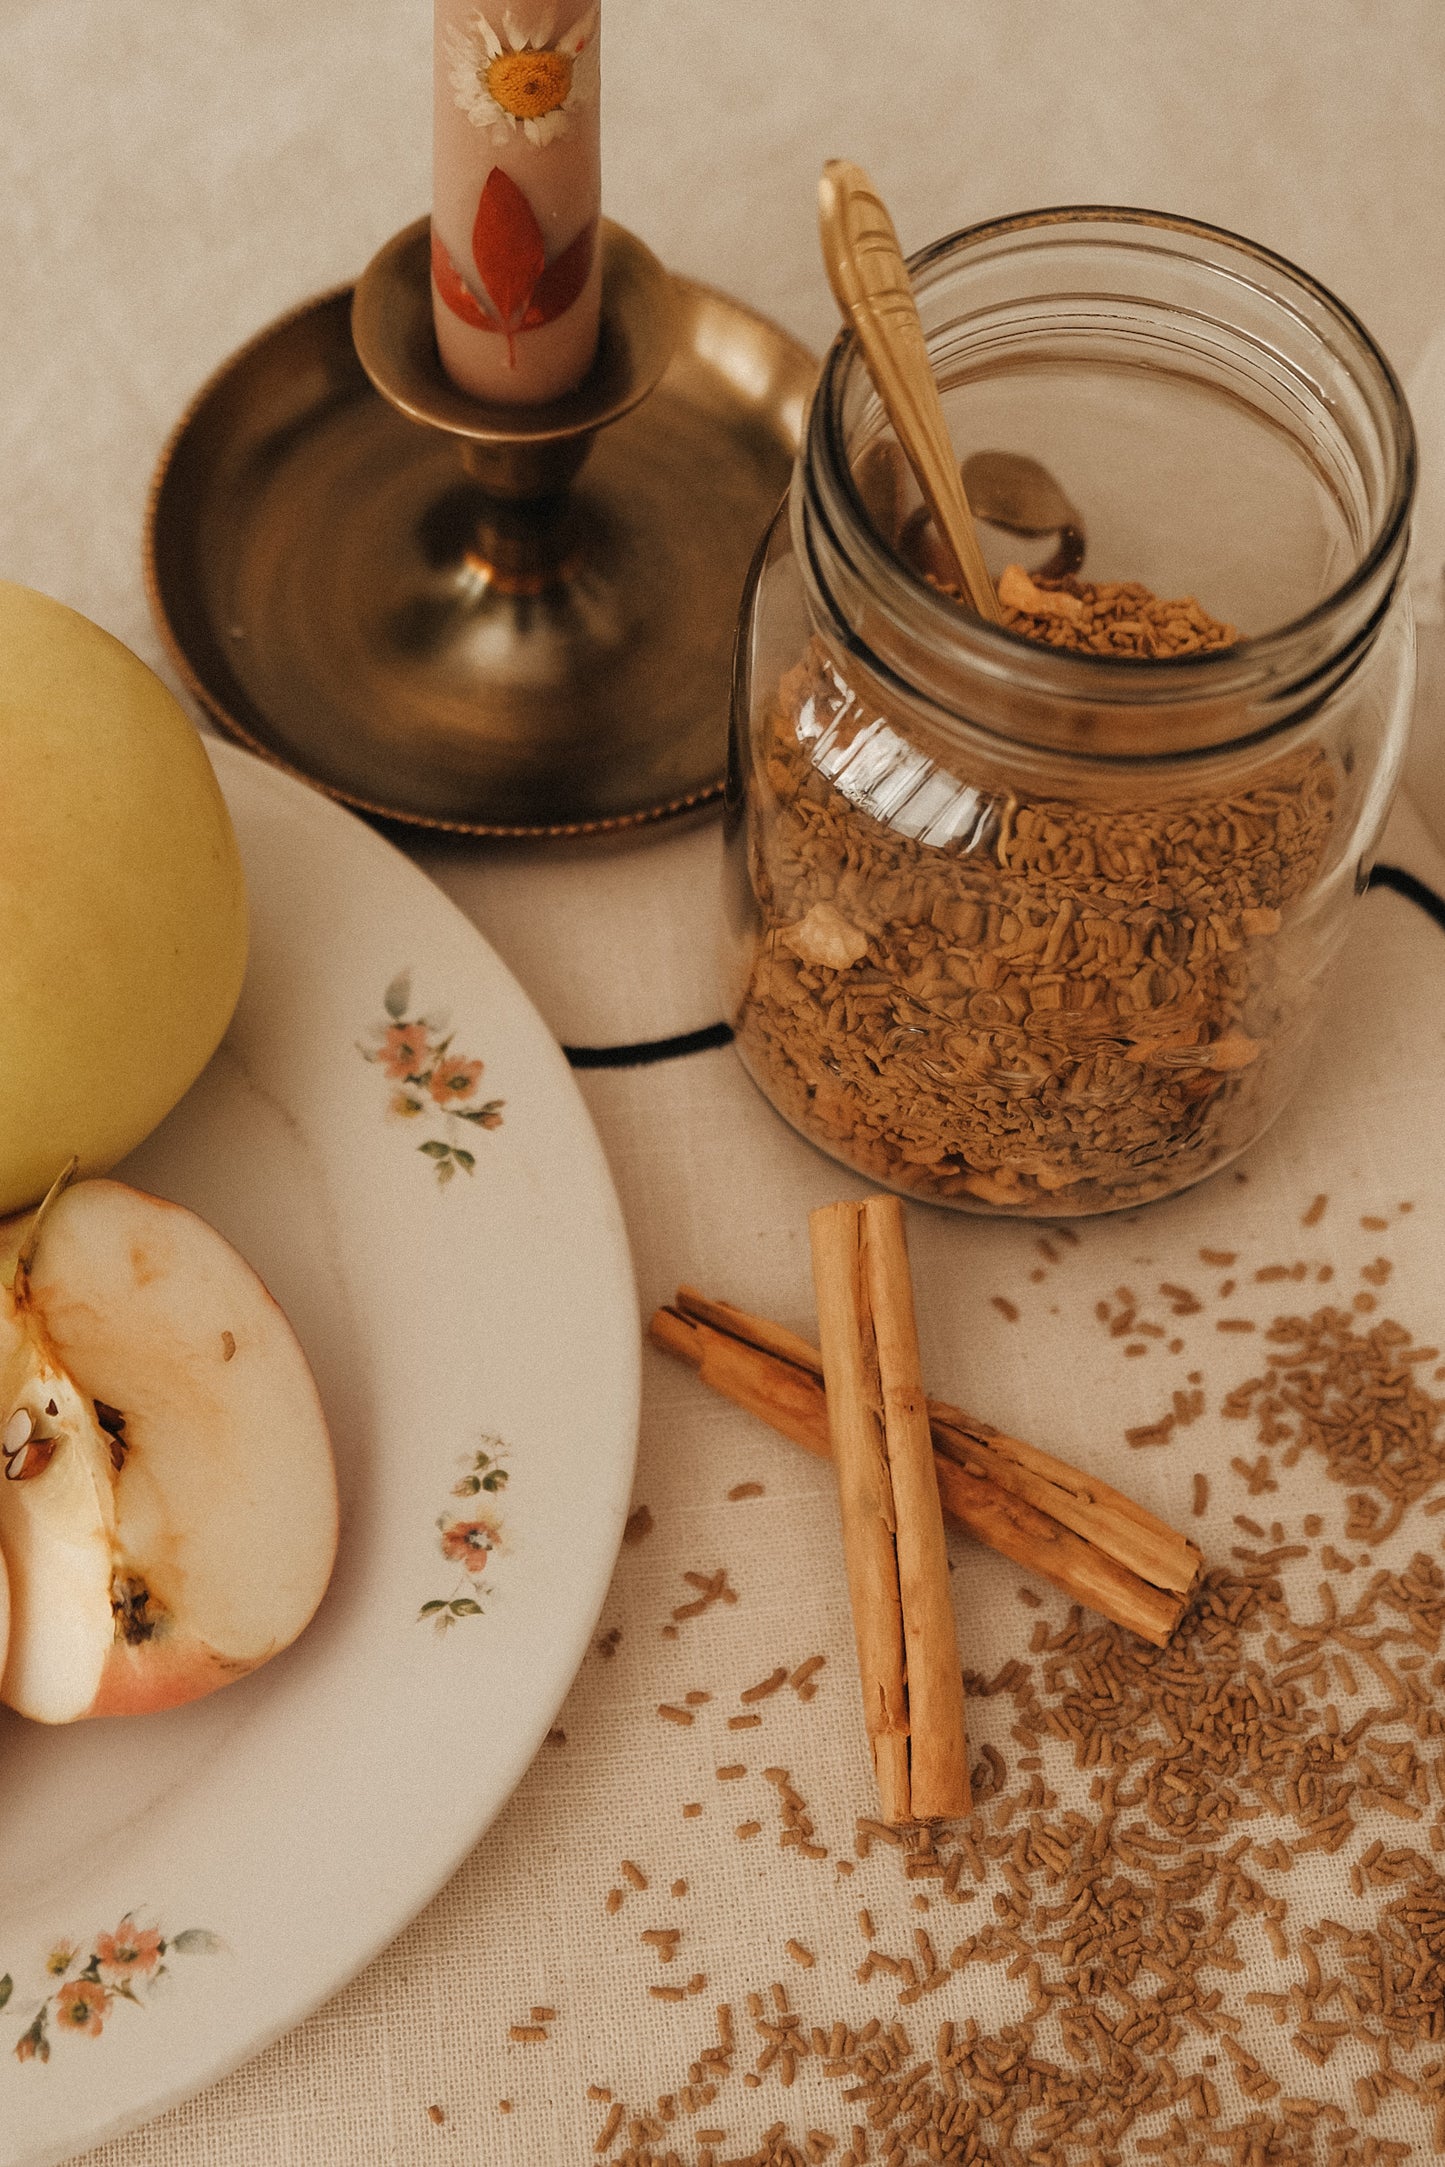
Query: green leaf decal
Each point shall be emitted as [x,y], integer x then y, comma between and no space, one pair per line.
[7,1988]
[464,1607]
[429,1610]
[398,996]
[434,1150]
[198,1941]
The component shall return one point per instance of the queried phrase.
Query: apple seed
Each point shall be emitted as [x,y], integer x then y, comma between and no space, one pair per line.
[25,1452]
[136,1619]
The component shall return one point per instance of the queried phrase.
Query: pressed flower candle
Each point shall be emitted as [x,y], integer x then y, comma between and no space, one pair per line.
[516,277]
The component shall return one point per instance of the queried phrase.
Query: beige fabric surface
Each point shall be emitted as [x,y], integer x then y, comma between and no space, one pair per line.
[174,176]
[717,1190]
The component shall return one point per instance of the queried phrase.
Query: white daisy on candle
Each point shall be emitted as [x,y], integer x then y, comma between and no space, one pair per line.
[533,81]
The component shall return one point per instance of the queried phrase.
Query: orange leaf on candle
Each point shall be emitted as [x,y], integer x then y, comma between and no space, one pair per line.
[453,292]
[563,279]
[508,247]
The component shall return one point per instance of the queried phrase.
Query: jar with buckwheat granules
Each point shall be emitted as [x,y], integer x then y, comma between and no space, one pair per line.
[1037,918]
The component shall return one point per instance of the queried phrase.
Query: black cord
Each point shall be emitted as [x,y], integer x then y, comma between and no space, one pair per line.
[644,1052]
[1413,890]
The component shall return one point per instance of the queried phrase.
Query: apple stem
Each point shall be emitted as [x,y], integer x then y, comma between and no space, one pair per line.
[28,1247]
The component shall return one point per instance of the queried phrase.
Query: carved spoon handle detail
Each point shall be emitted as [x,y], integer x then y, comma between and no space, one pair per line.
[870,280]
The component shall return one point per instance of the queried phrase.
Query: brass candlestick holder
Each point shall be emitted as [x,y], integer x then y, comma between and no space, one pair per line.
[493,620]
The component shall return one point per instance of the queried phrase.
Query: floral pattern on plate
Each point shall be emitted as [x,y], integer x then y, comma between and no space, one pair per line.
[433,1083]
[469,1535]
[123,1966]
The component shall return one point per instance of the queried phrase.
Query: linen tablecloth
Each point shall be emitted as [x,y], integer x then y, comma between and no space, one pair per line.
[173,178]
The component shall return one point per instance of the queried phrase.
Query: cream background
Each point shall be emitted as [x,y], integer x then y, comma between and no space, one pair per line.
[172,176]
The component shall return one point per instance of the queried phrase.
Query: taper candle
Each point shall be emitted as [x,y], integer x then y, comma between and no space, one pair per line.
[517,185]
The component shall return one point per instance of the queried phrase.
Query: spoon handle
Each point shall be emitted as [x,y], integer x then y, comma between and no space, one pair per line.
[870,280]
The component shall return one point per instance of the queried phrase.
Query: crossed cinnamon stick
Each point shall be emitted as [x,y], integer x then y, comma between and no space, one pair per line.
[1078,1533]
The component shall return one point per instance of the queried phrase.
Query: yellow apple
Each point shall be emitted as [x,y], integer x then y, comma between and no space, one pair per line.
[121,898]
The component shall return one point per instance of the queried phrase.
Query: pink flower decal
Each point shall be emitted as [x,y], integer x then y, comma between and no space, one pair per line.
[118,1969]
[129,1952]
[81,2007]
[454,1082]
[470,1544]
[404,1049]
[416,1054]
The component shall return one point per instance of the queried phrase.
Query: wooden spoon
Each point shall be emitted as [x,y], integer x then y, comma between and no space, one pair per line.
[870,280]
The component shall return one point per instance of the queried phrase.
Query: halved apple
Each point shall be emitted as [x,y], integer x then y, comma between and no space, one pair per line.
[168,1507]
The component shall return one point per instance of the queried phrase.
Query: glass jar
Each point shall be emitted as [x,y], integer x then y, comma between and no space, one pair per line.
[1038,932]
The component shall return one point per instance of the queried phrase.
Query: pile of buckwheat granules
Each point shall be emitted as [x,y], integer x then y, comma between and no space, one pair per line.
[1205,1885]
[1059,1005]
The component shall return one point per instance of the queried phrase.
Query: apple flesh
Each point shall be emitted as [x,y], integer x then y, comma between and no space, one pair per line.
[168,1507]
[121,898]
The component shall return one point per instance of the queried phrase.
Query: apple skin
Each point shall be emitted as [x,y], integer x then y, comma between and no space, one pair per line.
[121,898]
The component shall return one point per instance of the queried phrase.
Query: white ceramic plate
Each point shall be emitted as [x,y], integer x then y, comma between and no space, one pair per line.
[176,1890]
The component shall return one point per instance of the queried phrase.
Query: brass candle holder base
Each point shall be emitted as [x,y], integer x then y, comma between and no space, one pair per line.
[493,620]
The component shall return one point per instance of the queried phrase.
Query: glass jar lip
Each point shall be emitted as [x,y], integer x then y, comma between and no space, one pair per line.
[1257,661]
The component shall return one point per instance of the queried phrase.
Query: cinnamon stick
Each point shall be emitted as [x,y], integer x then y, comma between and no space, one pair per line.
[892,1520]
[1078,1533]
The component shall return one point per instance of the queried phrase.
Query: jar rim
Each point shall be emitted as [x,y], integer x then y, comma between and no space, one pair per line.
[1258,668]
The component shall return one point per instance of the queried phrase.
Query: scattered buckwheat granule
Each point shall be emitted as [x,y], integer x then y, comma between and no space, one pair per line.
[608,1643]
[1354,1398]
[800,1955]
[1316,1211]
[692,1809]
[527,2034]
[504,2106]
[1151,1433]
[437,2114]
[746,1829]
[773,1683]
[675,1715]
[633,1874]
[1374,1224]
[712,1587]
[640,1524]
[1201,1495]
[744,1723]
[1005,1307]
[741,1490]
[731,1772]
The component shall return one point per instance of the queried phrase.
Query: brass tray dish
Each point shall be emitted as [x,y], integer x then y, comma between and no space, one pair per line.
[309,557]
